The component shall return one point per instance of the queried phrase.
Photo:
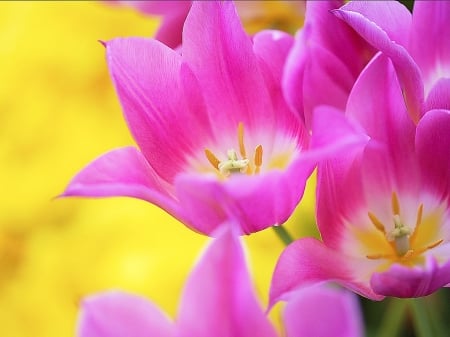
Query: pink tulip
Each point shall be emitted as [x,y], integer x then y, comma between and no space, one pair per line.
[217,142]
[383,209]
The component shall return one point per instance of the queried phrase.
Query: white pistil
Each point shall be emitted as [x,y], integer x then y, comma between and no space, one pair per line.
[232,164]
[400,236]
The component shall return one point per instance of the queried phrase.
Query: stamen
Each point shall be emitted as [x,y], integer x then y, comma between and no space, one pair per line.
[212,159]
[379,256]
[418,222]
[395,204]
[377,223]
[258,158]
[434,244]
[241,140]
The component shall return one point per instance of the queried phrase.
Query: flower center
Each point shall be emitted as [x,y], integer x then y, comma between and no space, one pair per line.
[234,164]
[401,238]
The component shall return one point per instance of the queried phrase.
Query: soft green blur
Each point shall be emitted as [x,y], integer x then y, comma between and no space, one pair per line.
[58,111]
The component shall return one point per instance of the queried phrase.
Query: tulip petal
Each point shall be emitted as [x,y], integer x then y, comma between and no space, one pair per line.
[308,261]
[439,96]
[384,116]
[405,282]
[116,314]
[170,31]
[221,55]
[253,202]
[430,40]
[272,48]
[122,172]
[292,81]
[392,17]
[150,81]
[309,308]
[433,149]
[323,48]
[218,299]
[407,70]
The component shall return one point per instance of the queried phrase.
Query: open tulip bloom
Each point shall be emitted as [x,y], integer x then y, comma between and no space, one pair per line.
[383,209]
[218,300]
[217,140]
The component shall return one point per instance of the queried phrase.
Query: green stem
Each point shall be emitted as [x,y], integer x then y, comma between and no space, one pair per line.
[392,318]
[420,317]
[283,234]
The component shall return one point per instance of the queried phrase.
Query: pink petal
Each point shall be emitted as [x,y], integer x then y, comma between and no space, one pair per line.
[173,16]
[384,115]
[335,36]
[391,16]
[218,299]
[407,70]
[339,193]
[439,96]
[221,55]
[150,81]
[253,202]
[430,40]
[433,149]
[327,81]
[323,311]
[404,282]
[122,172]
[308,261]
[332,131]
[326,54]
[116,314]
[170,31]
[292,81]
[272,48]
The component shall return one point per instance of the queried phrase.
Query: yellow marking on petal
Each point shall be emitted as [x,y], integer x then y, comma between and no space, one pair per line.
[395,204]
[429,228]
[241,140]
[377,223]
[212,159]
[258,158]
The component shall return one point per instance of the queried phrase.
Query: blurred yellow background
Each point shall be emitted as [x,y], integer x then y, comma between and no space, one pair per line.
[58,111]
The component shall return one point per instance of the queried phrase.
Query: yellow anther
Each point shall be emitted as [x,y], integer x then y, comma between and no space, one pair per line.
[418,222]
[241,140]
[434,244]
[234,163]
[419,215]
[212,159]
[379,256]
[258,158]
[377,223]
[395,204]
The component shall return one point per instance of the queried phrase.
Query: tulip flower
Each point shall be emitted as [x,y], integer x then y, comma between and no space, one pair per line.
[418,44]
[324,62]
[217,142]
[383,208]
[218,300]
